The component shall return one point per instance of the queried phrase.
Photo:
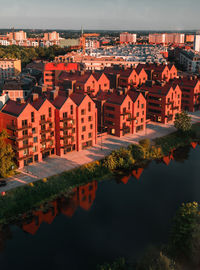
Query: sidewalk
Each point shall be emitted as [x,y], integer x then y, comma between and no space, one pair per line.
[55,165]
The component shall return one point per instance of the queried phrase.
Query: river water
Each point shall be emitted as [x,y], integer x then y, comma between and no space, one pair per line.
[105,220]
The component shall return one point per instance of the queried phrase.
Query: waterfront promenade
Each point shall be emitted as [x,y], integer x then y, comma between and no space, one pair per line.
[55,165]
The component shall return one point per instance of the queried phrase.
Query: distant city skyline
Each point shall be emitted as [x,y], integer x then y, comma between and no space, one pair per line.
[102,15]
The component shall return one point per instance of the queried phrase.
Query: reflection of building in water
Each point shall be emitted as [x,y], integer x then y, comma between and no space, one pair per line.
[168,158]
[125,179]
[137,173]
[39,217]
[82,196]
[194,144]
[87,194]
[5,234]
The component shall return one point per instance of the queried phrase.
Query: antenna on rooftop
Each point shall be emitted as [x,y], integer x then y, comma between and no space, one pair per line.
[81,30]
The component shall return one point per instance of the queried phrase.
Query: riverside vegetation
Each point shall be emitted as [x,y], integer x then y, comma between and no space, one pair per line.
[181,251]
[22,199]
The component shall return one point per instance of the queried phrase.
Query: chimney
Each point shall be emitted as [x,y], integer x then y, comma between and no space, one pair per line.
[54,94]
[34,97]
[125,91]
[68,92]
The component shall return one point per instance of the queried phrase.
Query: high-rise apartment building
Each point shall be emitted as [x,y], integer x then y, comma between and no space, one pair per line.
[197,43]
[128,38]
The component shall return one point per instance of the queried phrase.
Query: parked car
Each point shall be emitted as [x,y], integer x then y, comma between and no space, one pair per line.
[3,183]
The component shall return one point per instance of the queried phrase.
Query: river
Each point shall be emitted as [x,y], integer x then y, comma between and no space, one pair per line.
[105,220]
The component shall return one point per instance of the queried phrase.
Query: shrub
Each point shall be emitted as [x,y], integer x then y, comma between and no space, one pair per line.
[119,264]
[119,160]
[137,151]
[145,143]
[154,259]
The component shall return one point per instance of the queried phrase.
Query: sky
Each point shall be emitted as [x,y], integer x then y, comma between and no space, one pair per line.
[101,14]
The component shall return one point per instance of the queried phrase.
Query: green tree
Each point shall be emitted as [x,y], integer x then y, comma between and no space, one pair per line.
[145,143]
[183,122]
[120,159]
[6,156]
[185,234]
[137,151]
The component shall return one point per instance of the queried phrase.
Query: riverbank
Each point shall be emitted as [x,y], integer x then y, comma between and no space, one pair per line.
[20,200]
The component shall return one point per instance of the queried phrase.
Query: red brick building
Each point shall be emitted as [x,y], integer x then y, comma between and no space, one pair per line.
[125,77]
[52,70]
[80,82]
[190,87]
[163,102]
[160,72]
[86,121]
[121,112]
[49,124]
[21,120]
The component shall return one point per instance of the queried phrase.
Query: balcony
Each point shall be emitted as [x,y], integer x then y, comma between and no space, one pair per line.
[46,139]
[45,130]
[29,155]
[48,148]
[125,112]
[66,145]
[66,127]
[131,118]
[175,107]
[67,118]
[169,103]
[16,128]
[45,121]
[25,146]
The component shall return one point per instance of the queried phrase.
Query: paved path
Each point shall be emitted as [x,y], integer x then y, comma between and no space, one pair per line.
[55,165]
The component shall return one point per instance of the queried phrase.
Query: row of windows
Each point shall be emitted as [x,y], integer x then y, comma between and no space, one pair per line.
[89,136]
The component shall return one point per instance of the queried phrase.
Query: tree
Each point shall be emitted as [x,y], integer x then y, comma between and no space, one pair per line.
[185,234]
[154,259]
[6,156]
[145,143]
[182,122]
[137,151]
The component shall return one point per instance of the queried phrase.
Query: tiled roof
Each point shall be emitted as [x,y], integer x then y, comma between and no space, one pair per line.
[133,95]
[14,108]
[38,103]
[116,99]
[74,76]
[77,98]
[156,89]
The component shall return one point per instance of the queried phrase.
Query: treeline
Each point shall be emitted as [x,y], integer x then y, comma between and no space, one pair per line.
[28,54]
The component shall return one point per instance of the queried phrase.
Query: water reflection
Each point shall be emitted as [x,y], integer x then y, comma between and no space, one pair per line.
[83,197]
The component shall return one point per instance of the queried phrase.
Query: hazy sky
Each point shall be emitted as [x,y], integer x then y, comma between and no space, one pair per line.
[101,14]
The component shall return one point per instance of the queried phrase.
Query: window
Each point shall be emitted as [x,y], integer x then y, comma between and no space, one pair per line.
[73,130]
[129,105]
[82,112]
[24,123]
[89,118]
[84,128]
[65,115]
[82,120]
[25,142]
[142,112]
[25,132]
[110,108]
[82,137]
[137,114]
[142,106]
[42,117]
[34,149]
[35,139]
[71,109]
[50,125]
[89,106]
[25,152]
[43,127]
[33,130]
[138,104]
[90,135]
[91,126]
[142,120]
[50,114]
[32,117]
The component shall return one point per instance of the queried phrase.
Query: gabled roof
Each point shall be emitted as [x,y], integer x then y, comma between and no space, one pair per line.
[185,82]
[77,98]
[38,103]
[14,108]
[154,67]
[158,90]
[134,95]
[116,99]
[123,72]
